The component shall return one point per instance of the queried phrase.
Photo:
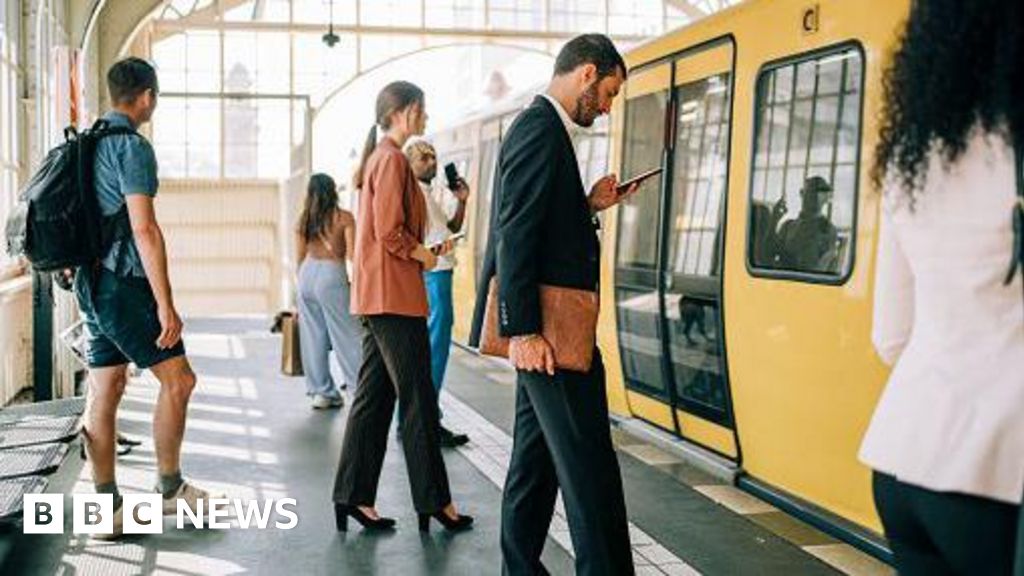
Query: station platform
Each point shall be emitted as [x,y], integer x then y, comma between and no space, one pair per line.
[252,434]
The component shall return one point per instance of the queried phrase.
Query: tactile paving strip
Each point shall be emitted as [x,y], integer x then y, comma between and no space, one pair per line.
[38,431]
[50,409]
[12,491]
[27,460]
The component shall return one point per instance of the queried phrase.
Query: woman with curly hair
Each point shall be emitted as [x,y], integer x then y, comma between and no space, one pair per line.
[946,441]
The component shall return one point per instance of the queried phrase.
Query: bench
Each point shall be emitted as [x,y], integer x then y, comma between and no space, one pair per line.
[34,441]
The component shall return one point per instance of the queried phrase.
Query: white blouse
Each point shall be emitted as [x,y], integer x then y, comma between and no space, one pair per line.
[441,207]
[951,418]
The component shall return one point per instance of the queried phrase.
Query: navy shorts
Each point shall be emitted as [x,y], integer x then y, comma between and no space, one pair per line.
[121,321]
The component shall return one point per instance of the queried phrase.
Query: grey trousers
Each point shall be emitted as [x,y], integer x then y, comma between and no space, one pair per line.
[326,324]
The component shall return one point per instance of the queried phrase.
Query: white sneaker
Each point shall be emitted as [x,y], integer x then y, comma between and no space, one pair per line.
[321,402]
[191,495]
[118,530]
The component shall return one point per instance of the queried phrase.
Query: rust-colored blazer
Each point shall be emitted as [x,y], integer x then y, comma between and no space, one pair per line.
[391,222]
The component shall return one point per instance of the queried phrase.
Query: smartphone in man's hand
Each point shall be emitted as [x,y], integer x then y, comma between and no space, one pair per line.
[624,187]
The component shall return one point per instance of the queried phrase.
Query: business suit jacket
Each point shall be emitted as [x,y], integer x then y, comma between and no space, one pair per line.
[542,230]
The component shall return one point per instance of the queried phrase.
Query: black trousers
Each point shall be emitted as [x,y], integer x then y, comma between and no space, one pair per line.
[1019,570]
[396,363]
[939,533]
[562,440]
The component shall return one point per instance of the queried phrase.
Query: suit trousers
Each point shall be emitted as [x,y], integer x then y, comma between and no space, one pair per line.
[396,364]
[562,440]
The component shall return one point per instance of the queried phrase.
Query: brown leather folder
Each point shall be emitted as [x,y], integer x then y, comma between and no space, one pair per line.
[568,323]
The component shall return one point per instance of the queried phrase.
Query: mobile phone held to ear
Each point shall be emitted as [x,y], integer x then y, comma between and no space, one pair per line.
[623,187]
[452,175]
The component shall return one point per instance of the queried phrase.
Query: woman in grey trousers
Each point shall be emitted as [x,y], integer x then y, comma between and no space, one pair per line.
[325,239]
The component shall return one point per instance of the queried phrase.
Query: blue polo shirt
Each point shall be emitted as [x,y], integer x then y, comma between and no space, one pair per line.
[125,165]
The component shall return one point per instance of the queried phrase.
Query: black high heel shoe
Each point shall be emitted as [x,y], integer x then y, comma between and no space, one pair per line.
[343,511]
[459,524]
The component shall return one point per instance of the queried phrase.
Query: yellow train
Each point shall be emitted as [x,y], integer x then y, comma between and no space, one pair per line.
[736,287]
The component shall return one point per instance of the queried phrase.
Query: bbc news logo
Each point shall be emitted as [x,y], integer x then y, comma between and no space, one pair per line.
[143,513]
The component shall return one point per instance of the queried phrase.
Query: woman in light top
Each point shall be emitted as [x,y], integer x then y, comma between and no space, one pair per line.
[947,437]
[325,239]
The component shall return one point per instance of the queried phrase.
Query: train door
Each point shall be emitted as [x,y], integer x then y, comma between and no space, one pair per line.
[489,145]
[669,258]
[637,303]
[693,236]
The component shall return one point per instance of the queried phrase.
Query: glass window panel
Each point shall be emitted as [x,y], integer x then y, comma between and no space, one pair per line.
[168,127]
[273,68]
[637,301]
[320,70]
[569,16]
[644,133]
[801,215]
[169,57]
[202,61]
[391,12]
[274,161]
[202,119]
[203,141]
[319,11]
[453,14]
[274,121]
[240,63]
[241,135]
[644,17]
[699,176]
[298,123]
[203,160]
[171,159]
[516,14]
[379,49]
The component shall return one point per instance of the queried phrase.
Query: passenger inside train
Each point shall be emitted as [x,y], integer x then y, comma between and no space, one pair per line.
[809,241]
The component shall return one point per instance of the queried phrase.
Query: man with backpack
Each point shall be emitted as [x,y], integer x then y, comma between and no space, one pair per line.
[126,299]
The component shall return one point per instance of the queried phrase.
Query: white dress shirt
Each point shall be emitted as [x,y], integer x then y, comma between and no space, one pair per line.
[570,126]
[441,207]
[951,418]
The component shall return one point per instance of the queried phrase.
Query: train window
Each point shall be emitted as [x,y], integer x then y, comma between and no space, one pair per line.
[691,289]
[636,257]
[702,128]
[638,216]
[804,189]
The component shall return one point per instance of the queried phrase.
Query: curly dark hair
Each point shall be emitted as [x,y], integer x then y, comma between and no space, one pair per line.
[958,65]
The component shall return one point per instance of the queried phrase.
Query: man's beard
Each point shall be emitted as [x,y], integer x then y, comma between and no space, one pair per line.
[587,106]
[428,176]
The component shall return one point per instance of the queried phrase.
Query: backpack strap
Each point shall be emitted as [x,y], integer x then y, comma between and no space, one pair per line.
[117,226]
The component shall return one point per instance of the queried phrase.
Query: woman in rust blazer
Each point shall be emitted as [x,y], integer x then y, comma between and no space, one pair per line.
[391,300]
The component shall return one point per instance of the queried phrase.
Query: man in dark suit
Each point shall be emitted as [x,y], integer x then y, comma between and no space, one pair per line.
[546,232]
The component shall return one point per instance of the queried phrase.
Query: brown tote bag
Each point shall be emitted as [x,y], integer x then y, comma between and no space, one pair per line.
[291,352]
[568,323]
